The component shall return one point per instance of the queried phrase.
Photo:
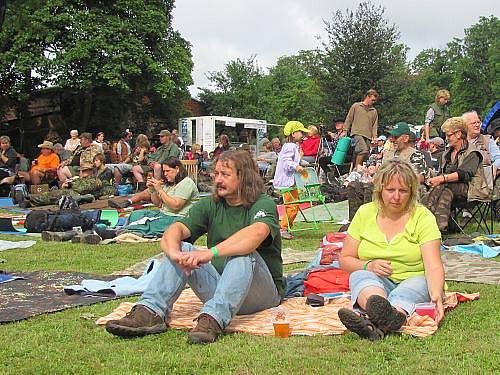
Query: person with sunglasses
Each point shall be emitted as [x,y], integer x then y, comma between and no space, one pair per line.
[462,175]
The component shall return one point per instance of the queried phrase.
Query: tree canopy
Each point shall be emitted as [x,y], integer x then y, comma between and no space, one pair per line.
[362,51]
[126,46]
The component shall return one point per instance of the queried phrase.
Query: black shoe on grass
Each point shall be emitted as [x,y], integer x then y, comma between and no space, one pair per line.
[360,325]
[383,315]
[113,203]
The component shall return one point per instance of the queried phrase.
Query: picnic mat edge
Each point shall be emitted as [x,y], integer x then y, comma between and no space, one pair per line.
[304,319]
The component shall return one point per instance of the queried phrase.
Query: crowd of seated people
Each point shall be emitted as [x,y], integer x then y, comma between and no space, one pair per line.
[448,170]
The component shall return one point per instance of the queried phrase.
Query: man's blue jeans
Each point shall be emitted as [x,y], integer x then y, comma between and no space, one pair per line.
[245,287]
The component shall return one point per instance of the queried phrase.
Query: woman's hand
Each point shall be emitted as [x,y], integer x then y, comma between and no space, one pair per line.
[157,184]
[380,267]
[299,168]
[439,309]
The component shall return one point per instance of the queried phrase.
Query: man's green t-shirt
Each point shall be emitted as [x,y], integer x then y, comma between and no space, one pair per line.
[404,249]
[220,221]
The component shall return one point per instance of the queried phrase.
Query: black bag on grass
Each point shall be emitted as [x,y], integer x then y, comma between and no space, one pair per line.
[60,221]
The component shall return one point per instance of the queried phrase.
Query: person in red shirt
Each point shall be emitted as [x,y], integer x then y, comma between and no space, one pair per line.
[310,145]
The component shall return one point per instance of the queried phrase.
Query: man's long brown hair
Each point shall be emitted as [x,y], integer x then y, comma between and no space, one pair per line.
[251,184]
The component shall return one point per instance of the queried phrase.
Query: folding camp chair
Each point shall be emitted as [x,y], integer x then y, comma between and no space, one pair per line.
[481,212]
[192,169]
[308,187]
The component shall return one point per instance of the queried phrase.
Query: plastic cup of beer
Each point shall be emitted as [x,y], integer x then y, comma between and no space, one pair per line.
[281,323]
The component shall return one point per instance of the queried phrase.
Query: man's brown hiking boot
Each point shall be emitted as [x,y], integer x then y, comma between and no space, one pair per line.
[206,331]
[89,237]
[139,321]
[58,236]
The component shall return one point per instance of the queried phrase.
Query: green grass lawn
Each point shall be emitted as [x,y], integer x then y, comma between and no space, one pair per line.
[70,342]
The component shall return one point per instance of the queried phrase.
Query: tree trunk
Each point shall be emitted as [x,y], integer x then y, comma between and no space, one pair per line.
[87,109]
[3,8]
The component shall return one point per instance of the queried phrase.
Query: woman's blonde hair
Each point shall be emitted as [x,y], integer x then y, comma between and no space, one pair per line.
[455,124]
[195,147]
[442,94]
[402,170]
[142,141]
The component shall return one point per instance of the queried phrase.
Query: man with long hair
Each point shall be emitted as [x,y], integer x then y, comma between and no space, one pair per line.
[240,273]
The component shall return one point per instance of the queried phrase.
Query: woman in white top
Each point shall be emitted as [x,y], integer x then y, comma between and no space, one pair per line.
[73,142]
[99,141]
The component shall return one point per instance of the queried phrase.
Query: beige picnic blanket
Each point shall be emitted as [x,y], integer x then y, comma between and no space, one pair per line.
[131,238]
[304,319]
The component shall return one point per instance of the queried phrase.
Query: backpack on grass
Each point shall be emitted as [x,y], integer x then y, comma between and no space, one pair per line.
[61,220]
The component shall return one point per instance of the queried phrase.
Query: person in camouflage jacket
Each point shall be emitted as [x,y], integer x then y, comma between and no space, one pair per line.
[83,155]
[89,185]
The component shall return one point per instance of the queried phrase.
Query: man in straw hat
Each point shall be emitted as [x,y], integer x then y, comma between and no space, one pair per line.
[44,166]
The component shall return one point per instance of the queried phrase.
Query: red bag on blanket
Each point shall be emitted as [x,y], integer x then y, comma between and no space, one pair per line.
[329,280]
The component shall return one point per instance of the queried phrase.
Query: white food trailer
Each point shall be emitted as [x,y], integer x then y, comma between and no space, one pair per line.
[204,130]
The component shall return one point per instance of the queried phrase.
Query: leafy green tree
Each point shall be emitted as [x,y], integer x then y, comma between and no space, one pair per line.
[236,90]
[475,82]
[361,52]
[127,47]
[294,91]
[288,91]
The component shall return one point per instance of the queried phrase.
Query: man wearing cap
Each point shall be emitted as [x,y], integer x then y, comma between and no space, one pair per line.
[362,122]
[44,167]
[404,140]
[83,155]
[155,160]
[82,188]
[378,149]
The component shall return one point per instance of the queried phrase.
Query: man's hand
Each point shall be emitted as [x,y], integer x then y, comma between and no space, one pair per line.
[380,267]
[194,259]
[435,181]
[299,169]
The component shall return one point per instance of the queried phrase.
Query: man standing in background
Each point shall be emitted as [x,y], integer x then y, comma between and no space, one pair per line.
[362,122]
[436,115]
